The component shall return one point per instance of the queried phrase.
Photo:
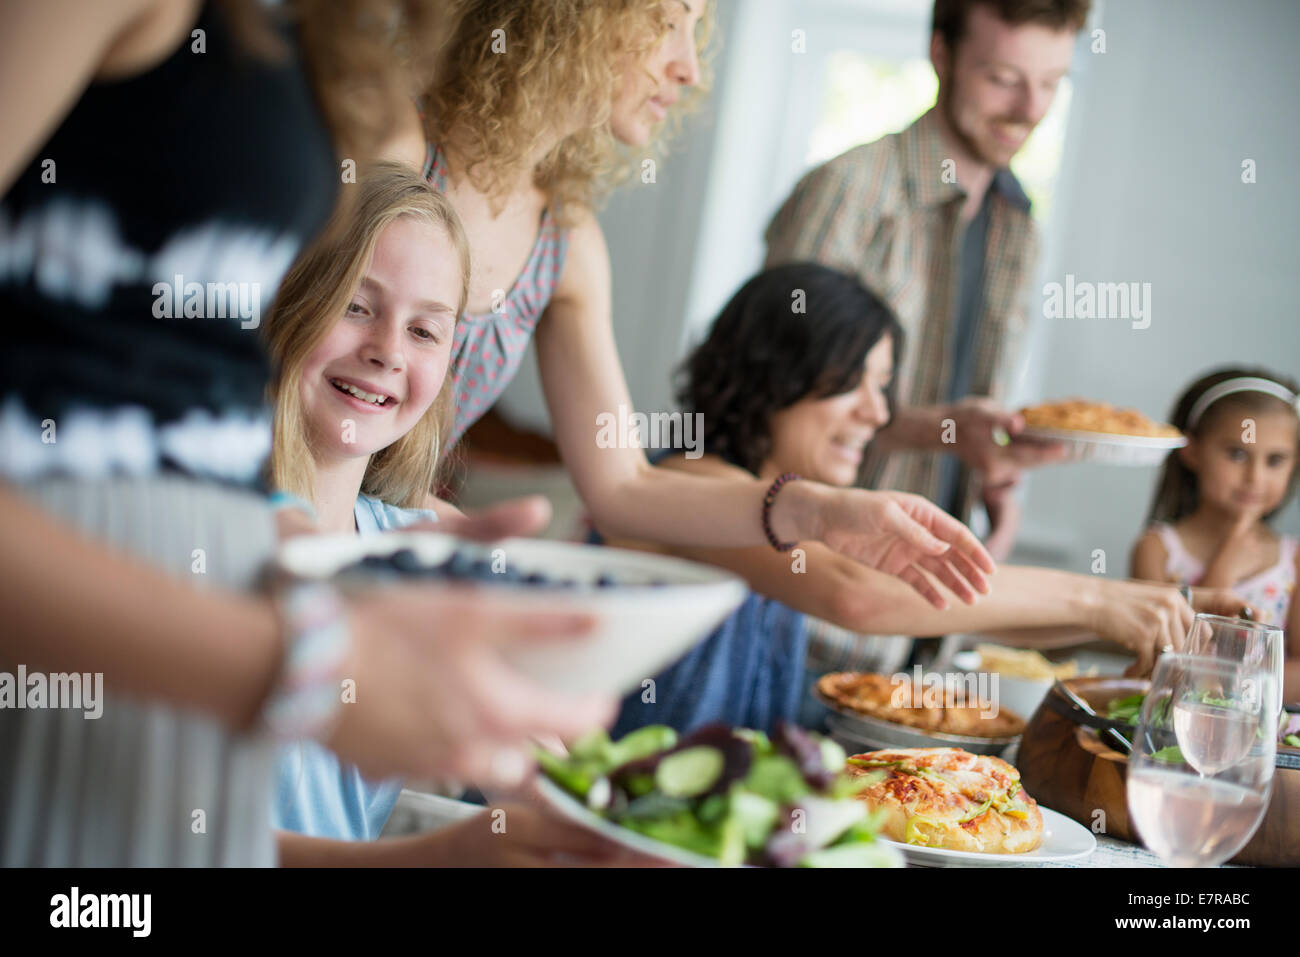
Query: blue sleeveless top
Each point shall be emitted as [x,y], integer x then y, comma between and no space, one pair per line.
[316,793]
[748,673]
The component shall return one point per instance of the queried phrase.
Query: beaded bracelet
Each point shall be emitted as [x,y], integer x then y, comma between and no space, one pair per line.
[279,500]
[307,699]
[768,499]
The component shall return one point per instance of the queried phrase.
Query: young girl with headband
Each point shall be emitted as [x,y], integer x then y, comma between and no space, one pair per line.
[1209,522]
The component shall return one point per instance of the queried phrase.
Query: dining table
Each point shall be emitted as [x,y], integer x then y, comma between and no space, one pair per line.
[419,812]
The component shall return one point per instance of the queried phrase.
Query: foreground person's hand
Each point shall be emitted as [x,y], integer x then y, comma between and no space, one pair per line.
[902,534]
[435,697]
[1147,619]
[519,835]
[1151,618]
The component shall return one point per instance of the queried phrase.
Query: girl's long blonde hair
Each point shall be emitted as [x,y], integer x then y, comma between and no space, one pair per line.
[510,69]
[313,297]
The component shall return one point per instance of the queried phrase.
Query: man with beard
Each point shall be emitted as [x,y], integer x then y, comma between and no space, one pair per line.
[933,221]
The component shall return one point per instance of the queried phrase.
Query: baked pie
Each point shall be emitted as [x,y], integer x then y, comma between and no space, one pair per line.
[1082,415]
[948,798]
[940,709]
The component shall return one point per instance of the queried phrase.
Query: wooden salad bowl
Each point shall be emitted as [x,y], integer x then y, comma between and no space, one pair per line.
[1069,767]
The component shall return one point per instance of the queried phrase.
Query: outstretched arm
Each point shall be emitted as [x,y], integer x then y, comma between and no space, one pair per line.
[127,619]
[1143,618]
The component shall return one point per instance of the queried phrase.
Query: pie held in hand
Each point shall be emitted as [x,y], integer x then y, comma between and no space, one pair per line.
[1082,415]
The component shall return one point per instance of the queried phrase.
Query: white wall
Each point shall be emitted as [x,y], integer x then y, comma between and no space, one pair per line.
[1186,91]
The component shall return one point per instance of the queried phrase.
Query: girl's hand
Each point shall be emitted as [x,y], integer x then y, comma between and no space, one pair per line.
[906,536]
[517,835]
[1234,559]
[433,695]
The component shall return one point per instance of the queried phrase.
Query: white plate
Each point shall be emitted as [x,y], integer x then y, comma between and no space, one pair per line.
[1107,447]
[567,806]
[1063,840]
[864,733]
[640,629]
[570,808]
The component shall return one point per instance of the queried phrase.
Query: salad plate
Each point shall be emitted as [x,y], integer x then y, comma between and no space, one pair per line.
[717,797]
[571,809]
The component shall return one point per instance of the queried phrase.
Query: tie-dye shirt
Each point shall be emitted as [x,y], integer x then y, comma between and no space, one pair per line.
[1268,593]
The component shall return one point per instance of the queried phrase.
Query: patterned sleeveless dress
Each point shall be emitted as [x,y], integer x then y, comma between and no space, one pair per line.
[1269,592]
[488,347]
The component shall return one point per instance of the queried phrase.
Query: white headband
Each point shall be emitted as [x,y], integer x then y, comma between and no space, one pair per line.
[1242,384]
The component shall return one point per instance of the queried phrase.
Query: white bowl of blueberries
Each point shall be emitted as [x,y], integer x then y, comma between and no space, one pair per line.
[649,609]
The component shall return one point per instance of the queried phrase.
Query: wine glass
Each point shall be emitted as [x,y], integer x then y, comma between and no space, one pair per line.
[1201,770]
[1238,640]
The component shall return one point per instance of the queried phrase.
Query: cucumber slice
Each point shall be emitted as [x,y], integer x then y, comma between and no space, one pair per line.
[642,743]
[654,806]
[731,843]
[690,772]
[593,746]
[756,814]
[833,756]
[570,775]
[853,855]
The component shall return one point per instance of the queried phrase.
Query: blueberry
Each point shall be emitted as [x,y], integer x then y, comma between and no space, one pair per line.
[535,578]
[606,581]
[459,565]
[404,560]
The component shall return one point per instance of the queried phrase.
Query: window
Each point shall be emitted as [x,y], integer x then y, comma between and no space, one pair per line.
[865,97]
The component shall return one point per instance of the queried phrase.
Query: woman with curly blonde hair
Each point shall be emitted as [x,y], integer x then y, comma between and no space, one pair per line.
[521,131]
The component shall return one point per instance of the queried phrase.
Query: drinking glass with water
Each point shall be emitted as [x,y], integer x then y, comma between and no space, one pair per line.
[1201,771]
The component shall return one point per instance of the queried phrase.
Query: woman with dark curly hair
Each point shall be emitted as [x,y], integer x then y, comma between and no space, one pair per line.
[520,132]
[795,377]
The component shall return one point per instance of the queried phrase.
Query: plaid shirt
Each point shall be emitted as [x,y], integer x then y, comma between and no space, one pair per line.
[884,213]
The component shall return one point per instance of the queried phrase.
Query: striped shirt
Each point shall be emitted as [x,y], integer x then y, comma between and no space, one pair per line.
[889,212]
